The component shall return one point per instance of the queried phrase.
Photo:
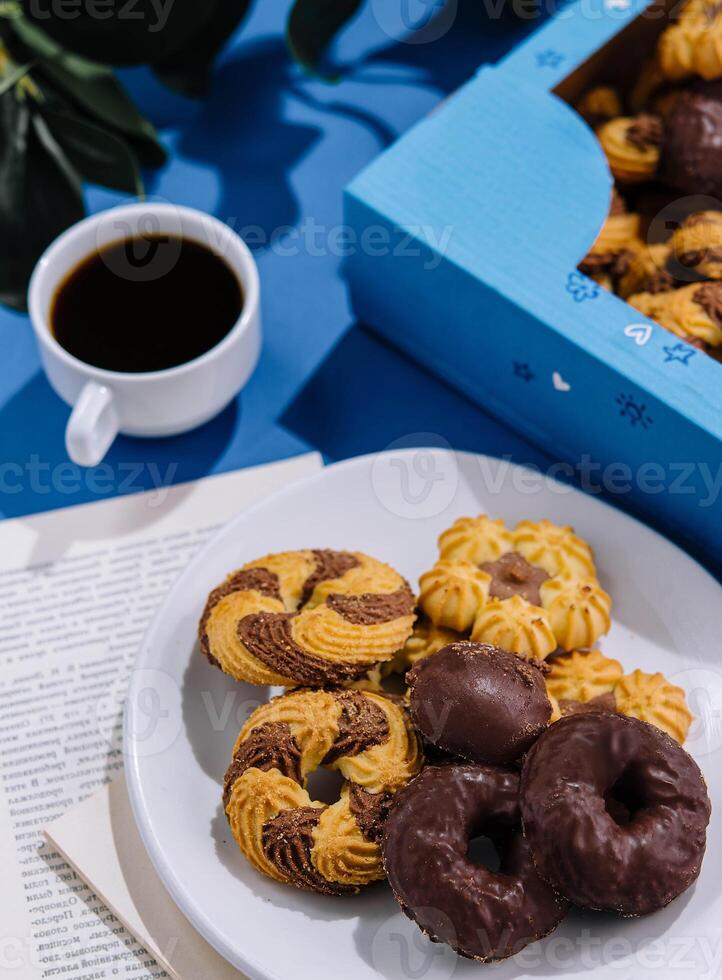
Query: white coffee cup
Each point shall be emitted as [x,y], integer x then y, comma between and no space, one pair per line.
[153,403]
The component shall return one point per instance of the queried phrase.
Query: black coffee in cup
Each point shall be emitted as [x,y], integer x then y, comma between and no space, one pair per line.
[146,303]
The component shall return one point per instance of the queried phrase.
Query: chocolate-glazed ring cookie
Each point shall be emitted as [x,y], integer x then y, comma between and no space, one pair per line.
[481,914]
[481,703]
[527,591]
[307,617]
[615,812]
[285,834]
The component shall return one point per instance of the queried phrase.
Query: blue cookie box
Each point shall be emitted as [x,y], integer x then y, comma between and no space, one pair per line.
[470,229]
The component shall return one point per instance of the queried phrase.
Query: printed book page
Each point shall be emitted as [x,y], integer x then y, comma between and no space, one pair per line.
[100,840]
[78,588]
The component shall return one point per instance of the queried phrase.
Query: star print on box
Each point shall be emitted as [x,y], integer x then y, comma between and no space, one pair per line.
[581,288]
[682,353]
[634,412]
[523,371]
[549,58]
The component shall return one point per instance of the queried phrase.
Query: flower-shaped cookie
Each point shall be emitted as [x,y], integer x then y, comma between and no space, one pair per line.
[424,641]
[651,698]
[599,104]
[583,681]
[527,591]
[693,45]
[581,678]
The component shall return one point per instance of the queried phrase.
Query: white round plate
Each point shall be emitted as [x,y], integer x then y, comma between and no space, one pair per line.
[183,716]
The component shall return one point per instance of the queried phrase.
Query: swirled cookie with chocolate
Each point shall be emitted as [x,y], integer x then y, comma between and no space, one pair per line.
[632,146]
[527,590]
[281,830]
[307,617]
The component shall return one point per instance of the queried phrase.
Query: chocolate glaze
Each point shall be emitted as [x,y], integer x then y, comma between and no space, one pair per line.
[479,913]
[645,132]
[287,842]
[370,811]
[258,579]
[588,769]
[513,575]
[268,637]
[270,746]
[602,702]
[479,702]
[371,608]
[362,725]
[692,151]
[709,297]
[329,564]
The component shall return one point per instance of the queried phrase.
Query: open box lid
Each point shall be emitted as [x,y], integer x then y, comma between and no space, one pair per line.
[510,186]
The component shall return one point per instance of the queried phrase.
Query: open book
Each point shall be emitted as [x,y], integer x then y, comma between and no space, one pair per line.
[77,590]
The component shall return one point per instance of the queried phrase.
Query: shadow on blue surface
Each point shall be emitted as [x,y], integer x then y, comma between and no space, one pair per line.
[241,133]
[366,395]
[36,475]
[389,401]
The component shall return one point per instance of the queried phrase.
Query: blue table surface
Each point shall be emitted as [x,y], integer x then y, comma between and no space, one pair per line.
[273,148]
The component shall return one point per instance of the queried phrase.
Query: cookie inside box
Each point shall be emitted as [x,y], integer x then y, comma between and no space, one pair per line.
[653,95]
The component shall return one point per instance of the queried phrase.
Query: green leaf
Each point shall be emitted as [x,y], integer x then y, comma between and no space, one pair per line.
[94,88]
[313,24]
[13,77]
[188,70]
[97,154]
[40,195]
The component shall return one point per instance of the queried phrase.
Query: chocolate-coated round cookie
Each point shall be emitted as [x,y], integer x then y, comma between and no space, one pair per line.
[481,914]
[479,702]
[615,812]
[692,149]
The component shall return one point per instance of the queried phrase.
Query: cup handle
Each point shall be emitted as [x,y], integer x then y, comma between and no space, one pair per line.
[92,426]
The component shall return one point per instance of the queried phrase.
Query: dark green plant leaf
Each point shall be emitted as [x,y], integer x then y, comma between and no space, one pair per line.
[94,88]
[40,195]
[97,154]
[188,69]
[313,24]
[13,77]
[121,32]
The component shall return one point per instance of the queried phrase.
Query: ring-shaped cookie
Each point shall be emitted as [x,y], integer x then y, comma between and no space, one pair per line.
[615,813]
[307,617]
[285,834]
[528,591]
[482,914]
